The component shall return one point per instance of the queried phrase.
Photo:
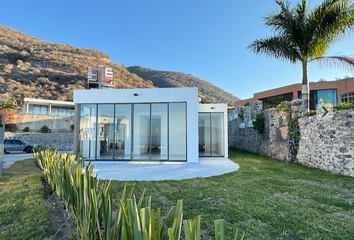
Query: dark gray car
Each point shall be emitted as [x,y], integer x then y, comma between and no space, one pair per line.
[15,145]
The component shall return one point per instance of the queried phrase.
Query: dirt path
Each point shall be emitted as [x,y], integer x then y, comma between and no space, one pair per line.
[58,215]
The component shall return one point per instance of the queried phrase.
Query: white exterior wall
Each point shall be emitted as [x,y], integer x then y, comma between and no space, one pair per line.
[219,108]
[154,95]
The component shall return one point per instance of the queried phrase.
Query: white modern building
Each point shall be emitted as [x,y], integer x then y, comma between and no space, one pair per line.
[48,107]
[159,124]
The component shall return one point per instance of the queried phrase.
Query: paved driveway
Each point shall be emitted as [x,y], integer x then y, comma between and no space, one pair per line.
[130,171]
[12,157]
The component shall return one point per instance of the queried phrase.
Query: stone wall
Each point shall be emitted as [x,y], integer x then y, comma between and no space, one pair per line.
[328,142]
[57,124]
[243,136]
[61,141]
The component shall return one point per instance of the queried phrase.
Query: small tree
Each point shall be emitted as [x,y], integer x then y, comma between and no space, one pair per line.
[8,104]
[10,117]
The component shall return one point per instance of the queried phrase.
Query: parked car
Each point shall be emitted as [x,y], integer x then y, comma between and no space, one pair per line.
[17,145]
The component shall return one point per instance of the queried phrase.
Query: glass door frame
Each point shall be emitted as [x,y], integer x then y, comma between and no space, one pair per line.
[132,105]
[211,135]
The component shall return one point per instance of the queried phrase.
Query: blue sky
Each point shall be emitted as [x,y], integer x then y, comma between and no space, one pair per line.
[207,39]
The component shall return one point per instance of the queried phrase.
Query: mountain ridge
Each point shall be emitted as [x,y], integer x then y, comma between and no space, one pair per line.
[207,91]
[30,67]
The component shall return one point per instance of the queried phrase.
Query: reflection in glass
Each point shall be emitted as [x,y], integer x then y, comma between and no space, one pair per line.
[141,131]
[211,134]
[122,130]
[217,135]
[159,131]
[329,95]
[204,134]
[105,127]
[87,133]
[177,131]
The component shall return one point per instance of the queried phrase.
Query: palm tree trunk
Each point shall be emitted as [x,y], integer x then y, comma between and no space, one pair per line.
[305,91]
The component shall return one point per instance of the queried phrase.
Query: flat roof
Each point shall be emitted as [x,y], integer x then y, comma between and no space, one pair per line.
[295,85]
[46,102]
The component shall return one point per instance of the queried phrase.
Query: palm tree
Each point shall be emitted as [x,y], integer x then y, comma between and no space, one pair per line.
[304,35]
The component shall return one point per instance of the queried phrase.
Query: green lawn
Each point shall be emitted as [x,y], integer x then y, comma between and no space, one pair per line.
[265,198]
[23,214]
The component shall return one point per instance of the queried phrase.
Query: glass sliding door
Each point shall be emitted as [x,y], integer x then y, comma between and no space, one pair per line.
[217,135]
[141,129]
[146,131]
[87,132]
[159,128]
[204,134]
[177,131]
[123,131]
[211,134]
[105,127]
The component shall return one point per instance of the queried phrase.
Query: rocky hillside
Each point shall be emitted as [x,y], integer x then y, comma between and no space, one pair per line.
[207,91]
[33,68]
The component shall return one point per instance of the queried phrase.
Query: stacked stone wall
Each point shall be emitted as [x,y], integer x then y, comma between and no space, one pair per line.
[57,124]
[247,138]
[328,142]
[61,141]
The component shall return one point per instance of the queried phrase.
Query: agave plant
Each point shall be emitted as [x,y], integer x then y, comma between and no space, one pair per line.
[90,202]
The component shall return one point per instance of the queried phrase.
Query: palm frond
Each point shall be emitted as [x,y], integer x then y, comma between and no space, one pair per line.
[342,62]
[329,23]
[276,47]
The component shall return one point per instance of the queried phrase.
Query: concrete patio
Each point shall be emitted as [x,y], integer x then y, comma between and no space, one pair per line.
[130,171]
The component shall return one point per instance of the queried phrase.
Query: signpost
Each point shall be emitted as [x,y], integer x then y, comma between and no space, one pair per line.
[2,132]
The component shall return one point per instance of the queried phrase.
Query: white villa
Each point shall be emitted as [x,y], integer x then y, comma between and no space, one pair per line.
[157,124]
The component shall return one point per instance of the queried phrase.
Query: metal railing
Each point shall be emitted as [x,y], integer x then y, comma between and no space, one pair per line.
[68,112]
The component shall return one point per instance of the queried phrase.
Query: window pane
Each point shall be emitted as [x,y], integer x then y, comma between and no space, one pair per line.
[62,111]
[177,131]
[141,131]
[43,110]
[159,131]
[217,134]
[327,95]
[55,111]
[105,127]
[70,112]
[204,134]
[87,135]
[123,132]
[37,110]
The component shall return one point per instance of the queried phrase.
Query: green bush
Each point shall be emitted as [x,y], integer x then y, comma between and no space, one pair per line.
[342,106]
[19,62]
[267,106]
[26,129]
[241,114]
[258,122]
[72,126]
[247,104]
[43,148]
[45,129]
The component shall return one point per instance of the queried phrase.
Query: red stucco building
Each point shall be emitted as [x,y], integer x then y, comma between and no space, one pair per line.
[334,91]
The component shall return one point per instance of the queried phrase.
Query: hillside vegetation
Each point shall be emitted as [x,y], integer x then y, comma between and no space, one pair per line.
[207,91]
[33,68]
